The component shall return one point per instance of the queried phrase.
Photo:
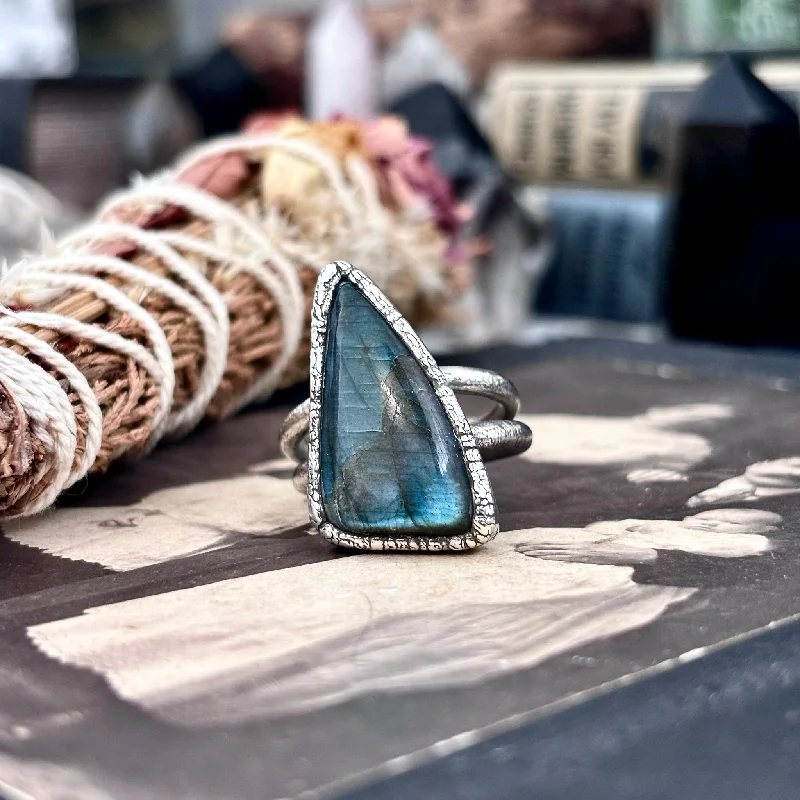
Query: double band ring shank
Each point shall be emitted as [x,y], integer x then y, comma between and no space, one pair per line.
[497,434]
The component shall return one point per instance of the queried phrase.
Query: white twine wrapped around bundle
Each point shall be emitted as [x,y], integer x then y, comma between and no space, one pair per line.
[103,353]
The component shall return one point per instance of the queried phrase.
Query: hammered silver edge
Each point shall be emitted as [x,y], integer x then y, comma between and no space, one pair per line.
[484,526]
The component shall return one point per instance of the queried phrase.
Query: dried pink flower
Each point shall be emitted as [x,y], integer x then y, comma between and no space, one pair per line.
[408,175]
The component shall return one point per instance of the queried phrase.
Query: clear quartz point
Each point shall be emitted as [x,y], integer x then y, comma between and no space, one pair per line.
[341,64]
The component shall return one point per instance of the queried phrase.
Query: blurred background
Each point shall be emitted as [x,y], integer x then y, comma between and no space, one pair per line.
[634,164]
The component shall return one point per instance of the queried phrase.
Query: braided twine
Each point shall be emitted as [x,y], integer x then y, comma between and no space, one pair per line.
[124,332]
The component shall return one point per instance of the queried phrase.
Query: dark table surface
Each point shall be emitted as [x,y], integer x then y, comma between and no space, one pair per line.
[172,630]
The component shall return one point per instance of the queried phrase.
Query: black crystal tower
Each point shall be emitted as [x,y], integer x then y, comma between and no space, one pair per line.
[461,151]
[735,263]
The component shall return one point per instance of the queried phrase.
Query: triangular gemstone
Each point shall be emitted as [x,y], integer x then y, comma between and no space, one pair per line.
[390,462]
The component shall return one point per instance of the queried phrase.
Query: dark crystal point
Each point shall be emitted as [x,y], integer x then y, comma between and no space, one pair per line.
[435,113]
[734,269]
[390,462]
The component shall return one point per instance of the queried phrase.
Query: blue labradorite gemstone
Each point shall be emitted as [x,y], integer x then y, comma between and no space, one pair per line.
[389,460]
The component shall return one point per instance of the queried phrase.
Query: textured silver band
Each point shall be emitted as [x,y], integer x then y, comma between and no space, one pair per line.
[497,434]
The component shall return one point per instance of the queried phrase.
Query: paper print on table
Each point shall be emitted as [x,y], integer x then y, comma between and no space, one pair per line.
[218,654]
[178,613]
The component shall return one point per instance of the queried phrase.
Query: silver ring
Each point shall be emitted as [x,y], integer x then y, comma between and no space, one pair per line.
[386,455]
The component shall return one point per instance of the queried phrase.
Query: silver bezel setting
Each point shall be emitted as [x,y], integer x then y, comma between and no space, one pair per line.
[484,526]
